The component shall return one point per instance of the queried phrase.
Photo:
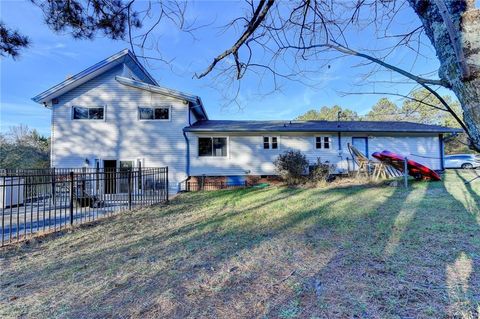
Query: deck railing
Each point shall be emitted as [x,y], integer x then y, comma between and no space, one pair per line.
[36,201]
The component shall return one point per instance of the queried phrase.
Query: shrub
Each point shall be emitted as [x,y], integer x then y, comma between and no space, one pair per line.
[320,172]
[291,166]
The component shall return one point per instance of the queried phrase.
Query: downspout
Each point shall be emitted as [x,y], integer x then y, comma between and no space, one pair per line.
[442,152]
[339,137]
[340,141]
[340,153]
[187,142]
[187,168]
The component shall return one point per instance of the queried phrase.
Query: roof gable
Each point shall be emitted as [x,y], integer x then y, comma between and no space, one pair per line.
[194,102]
[123,57]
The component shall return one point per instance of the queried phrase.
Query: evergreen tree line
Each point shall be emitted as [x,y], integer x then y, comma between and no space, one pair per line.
[420,107]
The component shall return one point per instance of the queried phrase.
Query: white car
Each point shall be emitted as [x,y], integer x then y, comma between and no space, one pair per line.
[465,161]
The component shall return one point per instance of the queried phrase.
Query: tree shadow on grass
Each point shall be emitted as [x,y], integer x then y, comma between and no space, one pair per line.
[416,255]
[368,252]
[467,190]
[127,278]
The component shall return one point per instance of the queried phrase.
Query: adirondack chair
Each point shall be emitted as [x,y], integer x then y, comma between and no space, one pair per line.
[363,163]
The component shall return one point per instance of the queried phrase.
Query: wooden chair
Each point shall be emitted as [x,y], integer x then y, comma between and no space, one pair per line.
[363,163]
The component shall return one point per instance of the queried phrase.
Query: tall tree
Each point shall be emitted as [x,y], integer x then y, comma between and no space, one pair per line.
[453,28]
[329,114]
[273,32]
[423,107]
[384,110]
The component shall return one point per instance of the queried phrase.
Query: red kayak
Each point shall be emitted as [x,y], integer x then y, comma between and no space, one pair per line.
[415,169]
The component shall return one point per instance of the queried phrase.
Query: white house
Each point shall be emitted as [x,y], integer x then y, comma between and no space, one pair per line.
[114,114]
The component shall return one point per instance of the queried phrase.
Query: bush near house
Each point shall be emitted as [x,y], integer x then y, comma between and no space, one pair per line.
[291,166]
[320,172]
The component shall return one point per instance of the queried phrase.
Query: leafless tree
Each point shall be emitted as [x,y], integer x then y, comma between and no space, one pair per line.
[308,30]
[290,40]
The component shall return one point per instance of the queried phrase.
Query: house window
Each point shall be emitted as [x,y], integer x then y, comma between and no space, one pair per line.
[322,142]
[270,142]
[88,113]
[154,113]
[266,142]
[212,146]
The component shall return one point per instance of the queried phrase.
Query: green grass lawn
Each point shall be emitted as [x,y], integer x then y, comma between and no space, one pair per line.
[356,252]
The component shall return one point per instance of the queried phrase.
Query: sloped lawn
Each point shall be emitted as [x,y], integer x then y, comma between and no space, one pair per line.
[364,252]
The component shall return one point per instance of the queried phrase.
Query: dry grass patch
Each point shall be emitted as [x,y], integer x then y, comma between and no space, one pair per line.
[369,252]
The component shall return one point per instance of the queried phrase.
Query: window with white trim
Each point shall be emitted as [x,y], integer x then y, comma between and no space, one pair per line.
[212,146]
[88,113]
[161,113]
[323,142]
[270,142]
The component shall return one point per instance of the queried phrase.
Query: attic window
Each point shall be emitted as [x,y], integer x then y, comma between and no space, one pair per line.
[88,113]
[154,113]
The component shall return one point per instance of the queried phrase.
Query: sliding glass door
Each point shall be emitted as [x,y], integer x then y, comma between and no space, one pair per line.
[124,168]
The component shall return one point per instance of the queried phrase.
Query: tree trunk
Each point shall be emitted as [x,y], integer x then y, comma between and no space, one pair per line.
[453,27]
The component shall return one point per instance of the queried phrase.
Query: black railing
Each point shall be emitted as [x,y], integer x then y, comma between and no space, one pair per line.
[209,186]
[47,200]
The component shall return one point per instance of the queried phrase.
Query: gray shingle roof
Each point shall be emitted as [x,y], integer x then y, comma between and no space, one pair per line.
[316,126]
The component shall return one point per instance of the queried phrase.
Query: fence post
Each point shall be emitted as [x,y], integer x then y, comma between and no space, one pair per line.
[71,198]
[405,172]
[166,175]
[139,177]
[129,174]
[53,187]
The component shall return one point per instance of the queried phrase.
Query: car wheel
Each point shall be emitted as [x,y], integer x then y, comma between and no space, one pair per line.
[467,166]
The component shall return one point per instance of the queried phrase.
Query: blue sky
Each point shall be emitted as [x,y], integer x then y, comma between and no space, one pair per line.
[52,57]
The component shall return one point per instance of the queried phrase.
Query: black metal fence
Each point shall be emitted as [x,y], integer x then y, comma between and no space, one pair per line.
[48,200]
[210,186]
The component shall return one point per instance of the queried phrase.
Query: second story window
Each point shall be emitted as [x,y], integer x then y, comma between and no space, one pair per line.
[322,142]
[88,113]
[154,113]
[270,142]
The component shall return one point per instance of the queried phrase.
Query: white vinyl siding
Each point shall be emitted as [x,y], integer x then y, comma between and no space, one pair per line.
[121,136]
[247,155]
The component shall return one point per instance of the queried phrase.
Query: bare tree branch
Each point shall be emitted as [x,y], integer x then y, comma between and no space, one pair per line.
[340,48]
[257,18]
